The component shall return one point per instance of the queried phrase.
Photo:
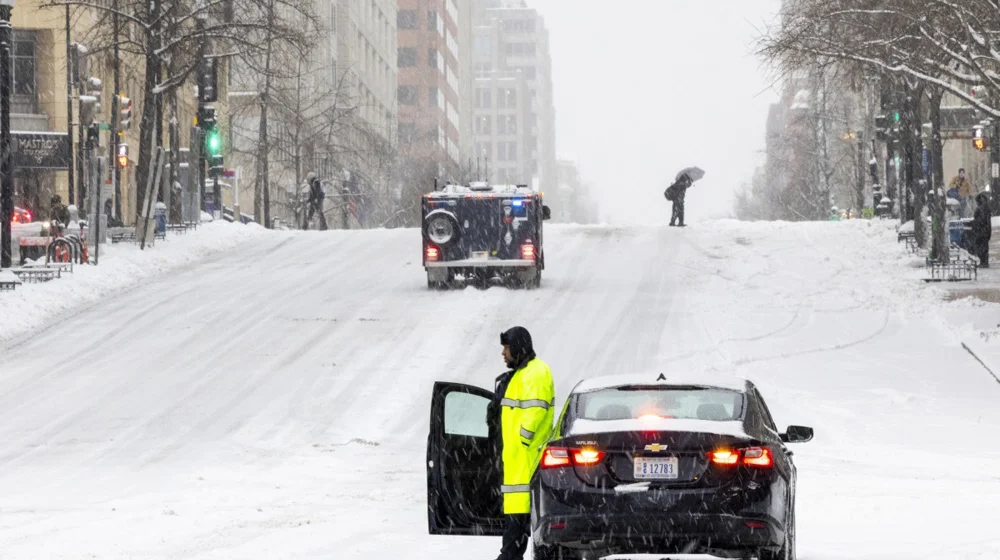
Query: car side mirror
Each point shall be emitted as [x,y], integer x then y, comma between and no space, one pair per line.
[797,434]
[546,213]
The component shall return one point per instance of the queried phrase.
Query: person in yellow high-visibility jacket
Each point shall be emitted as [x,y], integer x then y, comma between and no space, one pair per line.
[526,396]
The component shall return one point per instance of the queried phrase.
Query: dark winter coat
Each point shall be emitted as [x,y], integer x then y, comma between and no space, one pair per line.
[316,193]
[677,190]
[981,227]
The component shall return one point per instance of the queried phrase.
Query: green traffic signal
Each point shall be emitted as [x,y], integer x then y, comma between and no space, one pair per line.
[895,116]
[213,141]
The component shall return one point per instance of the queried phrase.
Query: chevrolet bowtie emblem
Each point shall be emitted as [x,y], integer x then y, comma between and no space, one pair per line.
[656,447]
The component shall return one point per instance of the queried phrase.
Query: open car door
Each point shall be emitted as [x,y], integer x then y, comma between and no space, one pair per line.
[463,465]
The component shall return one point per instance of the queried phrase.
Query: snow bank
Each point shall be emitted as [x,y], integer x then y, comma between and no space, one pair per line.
[122,266]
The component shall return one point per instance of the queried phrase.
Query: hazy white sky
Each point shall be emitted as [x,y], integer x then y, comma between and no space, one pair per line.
[644,88]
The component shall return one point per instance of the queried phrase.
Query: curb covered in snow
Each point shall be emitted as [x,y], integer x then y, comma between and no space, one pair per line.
[122,266]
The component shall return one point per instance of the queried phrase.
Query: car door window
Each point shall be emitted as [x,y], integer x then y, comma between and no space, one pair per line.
[465,415]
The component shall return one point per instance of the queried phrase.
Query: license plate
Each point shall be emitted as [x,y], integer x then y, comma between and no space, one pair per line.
[480,255]
[655,468]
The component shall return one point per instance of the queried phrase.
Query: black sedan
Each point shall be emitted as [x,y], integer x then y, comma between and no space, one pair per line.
[637,465]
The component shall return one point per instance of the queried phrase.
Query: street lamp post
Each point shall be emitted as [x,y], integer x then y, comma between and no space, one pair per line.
[6,155]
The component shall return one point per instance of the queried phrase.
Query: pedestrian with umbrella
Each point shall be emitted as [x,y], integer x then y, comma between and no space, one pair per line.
[676,192]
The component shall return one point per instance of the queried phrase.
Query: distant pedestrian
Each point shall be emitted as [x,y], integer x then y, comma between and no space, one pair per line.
[316,198]
[58,211]
[982,230]
[675,193]
[966,193]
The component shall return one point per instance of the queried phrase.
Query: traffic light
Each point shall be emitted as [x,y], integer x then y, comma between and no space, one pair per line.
[123,155]
[213,141]
[93,136]
[979,140]
[208,80]
[90,103]
[206,118]
[124,113]
[216,168]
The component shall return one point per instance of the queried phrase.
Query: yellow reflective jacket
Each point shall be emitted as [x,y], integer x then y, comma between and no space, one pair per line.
[526,415]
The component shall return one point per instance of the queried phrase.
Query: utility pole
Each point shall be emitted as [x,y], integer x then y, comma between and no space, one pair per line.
[69,107]
[6,155]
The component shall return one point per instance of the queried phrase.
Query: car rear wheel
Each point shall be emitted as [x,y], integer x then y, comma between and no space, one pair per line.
[787,551]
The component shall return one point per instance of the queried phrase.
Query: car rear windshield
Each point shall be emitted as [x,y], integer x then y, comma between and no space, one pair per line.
[626,403]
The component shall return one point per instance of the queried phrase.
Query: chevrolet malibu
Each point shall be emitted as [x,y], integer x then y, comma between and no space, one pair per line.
[636,465]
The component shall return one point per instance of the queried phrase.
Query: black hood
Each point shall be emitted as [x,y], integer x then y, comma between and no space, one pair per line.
[521,348]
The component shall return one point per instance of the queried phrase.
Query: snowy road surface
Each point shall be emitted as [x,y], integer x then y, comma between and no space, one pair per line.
[273,402]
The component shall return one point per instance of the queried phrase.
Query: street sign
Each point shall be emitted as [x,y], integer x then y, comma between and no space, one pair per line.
[229,173]
[996,170]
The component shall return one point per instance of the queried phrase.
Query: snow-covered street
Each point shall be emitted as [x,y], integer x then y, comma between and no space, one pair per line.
[272,401]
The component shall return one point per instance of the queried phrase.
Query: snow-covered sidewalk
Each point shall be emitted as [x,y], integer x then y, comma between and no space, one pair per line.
[122,266]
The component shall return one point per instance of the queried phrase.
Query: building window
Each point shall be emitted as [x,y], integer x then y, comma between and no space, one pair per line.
[432,58]
[507,124]
[407,132]
[507,151]
[407,19]
[24,64]
[484,150]
[507,98]
[406,95]
[519,49]
[483,98]
[519,25]
[407,57]
[484,125]
[432,97]
[483,45]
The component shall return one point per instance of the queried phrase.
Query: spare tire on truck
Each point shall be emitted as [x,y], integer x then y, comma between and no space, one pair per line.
[441,228]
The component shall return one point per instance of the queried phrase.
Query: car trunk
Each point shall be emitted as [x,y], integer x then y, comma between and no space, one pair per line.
[659,459]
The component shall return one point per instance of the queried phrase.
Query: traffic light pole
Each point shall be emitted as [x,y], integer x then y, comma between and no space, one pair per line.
[69,111]
[6,155]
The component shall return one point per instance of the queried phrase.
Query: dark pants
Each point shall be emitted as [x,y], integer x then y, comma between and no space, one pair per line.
[982,250]
[314,208]
[678,211]
[516,534]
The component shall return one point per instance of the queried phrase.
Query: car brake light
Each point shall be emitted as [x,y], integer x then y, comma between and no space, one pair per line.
[432,253]
[725,457]
[759,457]
[556,457]
[587,457]
[528,251]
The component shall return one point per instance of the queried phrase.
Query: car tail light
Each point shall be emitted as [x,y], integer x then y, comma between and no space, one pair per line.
[432,253]
[759,457]
[528,252]
[725,457]
[755,524]
[587,457]
[557,457]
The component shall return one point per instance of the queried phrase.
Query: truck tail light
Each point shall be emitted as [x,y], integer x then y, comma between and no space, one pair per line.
[528,252]
[432,253]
